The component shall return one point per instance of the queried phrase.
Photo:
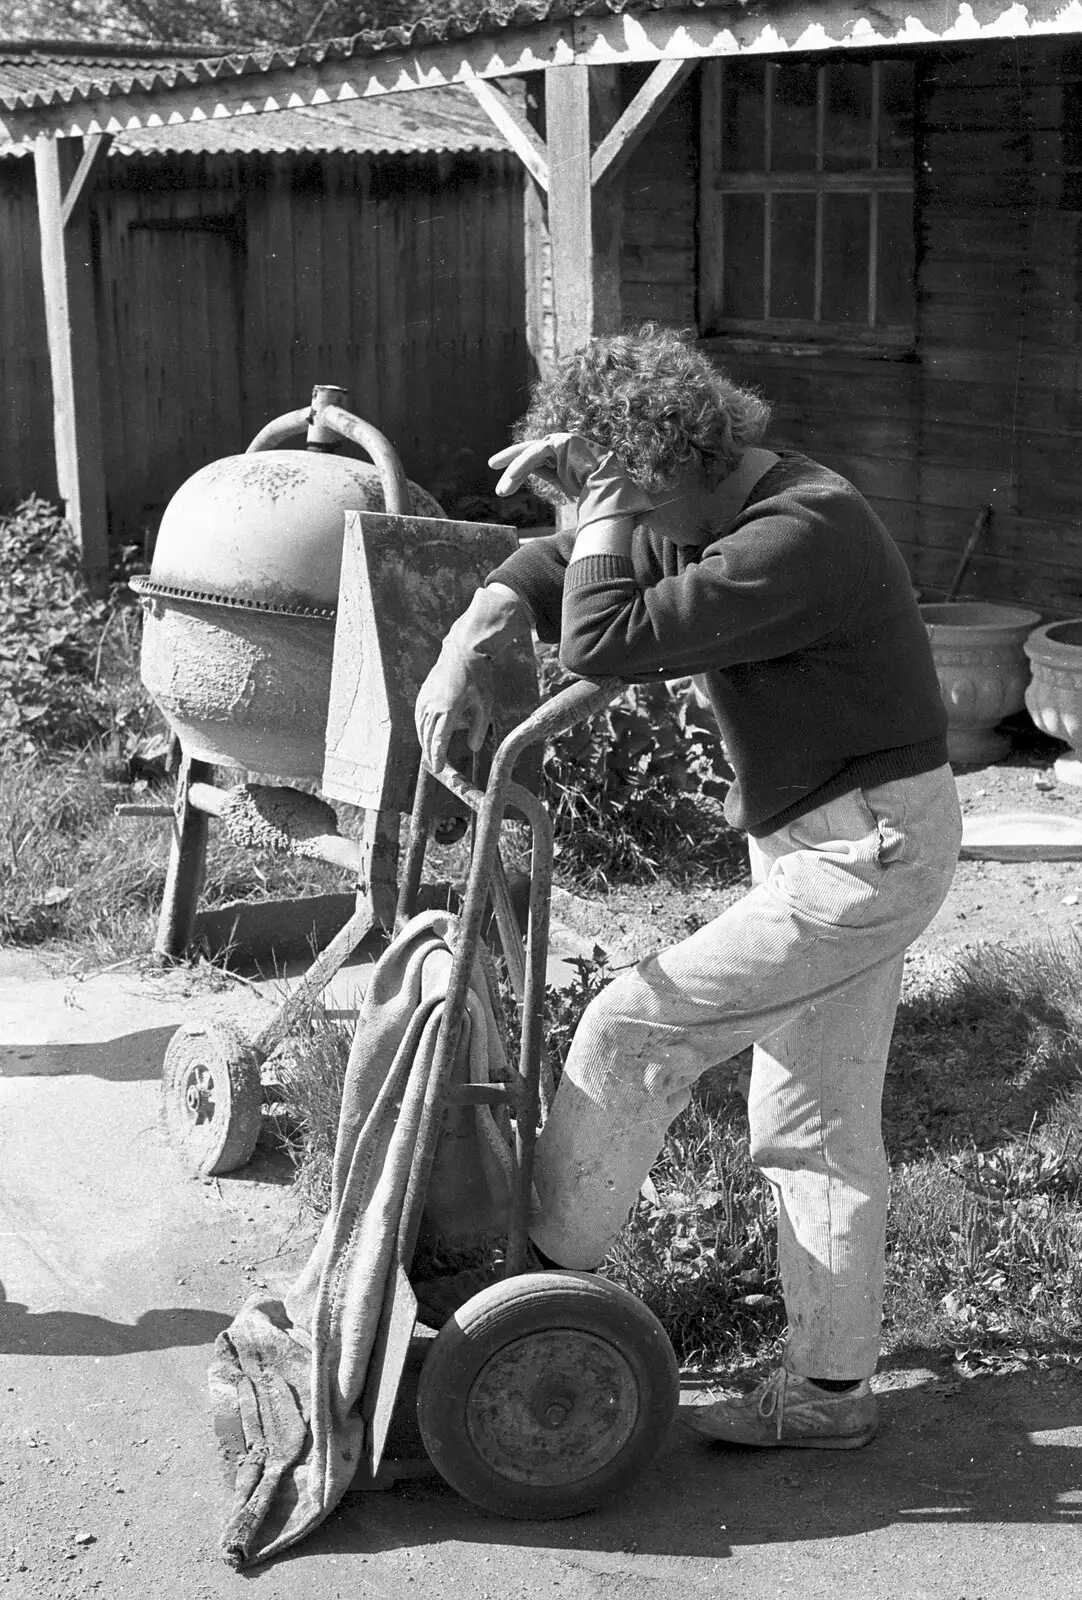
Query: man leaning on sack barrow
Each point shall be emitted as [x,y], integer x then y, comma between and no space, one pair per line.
[695,551]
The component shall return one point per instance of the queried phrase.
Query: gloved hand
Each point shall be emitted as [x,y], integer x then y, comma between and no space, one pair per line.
[460,689]
[562,460]
[598,484]
[458,693]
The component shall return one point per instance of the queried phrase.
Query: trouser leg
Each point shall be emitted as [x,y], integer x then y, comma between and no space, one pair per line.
[815,1127]
[641,1045]
[841,896]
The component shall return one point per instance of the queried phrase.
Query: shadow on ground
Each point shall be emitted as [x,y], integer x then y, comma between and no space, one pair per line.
[76,1333]
[990,1450]
[130,1058]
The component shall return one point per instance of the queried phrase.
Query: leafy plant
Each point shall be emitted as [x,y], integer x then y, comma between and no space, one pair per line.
[50,630]
[637,789]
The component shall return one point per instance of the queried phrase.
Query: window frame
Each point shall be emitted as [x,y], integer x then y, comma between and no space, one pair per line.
[717,183]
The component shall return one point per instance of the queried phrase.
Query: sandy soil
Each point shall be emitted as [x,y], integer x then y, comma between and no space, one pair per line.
[990,901]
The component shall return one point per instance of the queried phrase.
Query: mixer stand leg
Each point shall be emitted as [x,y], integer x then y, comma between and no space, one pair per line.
[376,896]
[187,865]
[377,880]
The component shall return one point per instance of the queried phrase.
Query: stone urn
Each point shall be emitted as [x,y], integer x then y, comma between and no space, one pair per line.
[982,669]
[1054,696]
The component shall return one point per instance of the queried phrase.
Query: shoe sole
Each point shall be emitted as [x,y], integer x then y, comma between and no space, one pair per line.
[854,1441]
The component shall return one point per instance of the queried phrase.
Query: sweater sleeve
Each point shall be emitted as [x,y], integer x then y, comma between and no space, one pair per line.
[536,573]
[786,575]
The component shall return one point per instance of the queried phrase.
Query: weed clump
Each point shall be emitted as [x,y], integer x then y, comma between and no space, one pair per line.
[636,791]
[50,637]
[983,1120]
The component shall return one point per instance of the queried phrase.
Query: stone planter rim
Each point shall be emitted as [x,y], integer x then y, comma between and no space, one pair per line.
[972,619]
[1042,644]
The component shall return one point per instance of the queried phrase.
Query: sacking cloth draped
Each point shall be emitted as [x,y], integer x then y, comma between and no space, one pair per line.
[293,1371]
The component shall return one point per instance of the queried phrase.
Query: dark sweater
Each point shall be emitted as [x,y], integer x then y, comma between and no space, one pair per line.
[801,616]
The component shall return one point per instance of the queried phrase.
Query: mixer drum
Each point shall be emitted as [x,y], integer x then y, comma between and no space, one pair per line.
[240,603]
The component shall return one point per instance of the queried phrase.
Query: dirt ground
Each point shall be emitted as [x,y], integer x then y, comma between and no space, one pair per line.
[993,902]
[117,1270]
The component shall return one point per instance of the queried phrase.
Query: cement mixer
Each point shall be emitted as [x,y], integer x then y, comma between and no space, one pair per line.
[296,600]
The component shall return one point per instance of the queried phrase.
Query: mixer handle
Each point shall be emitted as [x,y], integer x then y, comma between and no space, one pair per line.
[326,417]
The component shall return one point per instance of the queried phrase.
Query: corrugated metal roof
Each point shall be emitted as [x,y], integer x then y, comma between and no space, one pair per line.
[40,67]
[73,79]
[437,119]
[442,118]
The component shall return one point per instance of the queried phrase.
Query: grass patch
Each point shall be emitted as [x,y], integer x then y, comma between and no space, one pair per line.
[983,1122]
[78,734]
[79,879]
[636,793]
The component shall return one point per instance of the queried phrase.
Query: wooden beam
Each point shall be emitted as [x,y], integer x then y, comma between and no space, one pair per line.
[71,324]
[95,151]
[505,115]
[220,90]
[632,126]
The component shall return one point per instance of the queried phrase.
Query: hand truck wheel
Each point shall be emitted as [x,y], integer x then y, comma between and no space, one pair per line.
[546,1394]
[212,1097]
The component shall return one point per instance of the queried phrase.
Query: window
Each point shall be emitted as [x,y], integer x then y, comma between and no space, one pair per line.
[807,200]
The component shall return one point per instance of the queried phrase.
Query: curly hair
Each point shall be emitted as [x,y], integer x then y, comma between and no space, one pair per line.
[653,399]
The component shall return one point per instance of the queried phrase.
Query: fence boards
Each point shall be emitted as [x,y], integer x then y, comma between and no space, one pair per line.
[229,285]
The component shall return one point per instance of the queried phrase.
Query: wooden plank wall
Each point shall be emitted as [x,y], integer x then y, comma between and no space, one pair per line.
[987,407]
[998,323]
[230,285]
[660,206]
[27,464]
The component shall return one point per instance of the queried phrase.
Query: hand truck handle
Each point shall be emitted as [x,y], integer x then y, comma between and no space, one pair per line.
[577,703]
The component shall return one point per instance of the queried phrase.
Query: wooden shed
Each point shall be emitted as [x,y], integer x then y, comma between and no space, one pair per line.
[874,215]
[376,244]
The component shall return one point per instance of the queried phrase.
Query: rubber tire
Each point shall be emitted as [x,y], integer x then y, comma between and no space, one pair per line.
[212,1097]
[491,1444]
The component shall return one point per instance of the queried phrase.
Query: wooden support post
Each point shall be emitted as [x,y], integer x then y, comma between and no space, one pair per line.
[573,243]
[377,886]
[540,322]
[585,191]
[71,322]
[571,226]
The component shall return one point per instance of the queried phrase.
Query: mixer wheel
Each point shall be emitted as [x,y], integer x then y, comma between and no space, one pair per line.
[212,1097]
[546,1394]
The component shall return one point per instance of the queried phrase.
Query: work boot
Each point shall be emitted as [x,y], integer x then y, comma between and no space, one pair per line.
[788,1410]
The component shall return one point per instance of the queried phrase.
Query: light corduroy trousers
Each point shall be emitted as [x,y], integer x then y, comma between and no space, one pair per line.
[807,967]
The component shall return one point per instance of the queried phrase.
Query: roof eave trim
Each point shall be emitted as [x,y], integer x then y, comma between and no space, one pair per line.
[221,90]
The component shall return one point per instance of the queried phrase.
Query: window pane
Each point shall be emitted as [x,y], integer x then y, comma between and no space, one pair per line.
[743,245]
[845,258]
[794,123]
[742,112]
[894,305]
[896,112]
[847,135]
[792,257]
